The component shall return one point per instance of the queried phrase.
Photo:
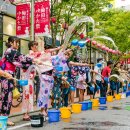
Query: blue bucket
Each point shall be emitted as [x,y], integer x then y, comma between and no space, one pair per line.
[23,82]
[54,115]
[81,44]
[128,94]
[89,105]
[74,42]
[59,68]
[84,106]
[102,100]
[3,122]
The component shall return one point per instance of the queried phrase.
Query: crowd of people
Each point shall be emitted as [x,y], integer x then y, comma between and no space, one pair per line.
[59,75]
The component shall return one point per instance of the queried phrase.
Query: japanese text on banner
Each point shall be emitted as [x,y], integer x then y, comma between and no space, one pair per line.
[23,20]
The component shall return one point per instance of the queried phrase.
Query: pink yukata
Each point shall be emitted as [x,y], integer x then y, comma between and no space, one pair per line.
[46,80]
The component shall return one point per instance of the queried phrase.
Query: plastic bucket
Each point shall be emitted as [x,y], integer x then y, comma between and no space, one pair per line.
[123,95]
[3,122]
[84,106]
[65,112]
[23,82]
[117,96]
[74,42]
[59,68]
[128,94]
[102,100]
[95,102]
[37,121]
[76,108]
[54,115]
[81,44]
[110,98]
[89,105]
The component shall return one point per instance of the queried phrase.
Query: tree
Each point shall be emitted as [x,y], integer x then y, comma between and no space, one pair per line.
[64,13]
[116,24]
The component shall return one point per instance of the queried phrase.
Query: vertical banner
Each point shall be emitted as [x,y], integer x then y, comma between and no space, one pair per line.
[23,20]
[42,18]
[128,61]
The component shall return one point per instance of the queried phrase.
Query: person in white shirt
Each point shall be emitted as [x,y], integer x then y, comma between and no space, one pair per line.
[98,78]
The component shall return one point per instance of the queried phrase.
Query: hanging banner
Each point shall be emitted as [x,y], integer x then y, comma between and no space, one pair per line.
[128,61]
[23,20]
[42,18]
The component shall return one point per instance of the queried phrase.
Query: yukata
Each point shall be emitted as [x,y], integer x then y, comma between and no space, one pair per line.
[74,77]
[81,82]
[46,86]
[46,79]
[57,91]
[12,58]
[28,94]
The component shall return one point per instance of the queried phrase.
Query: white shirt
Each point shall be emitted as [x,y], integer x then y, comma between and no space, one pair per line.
[98,70]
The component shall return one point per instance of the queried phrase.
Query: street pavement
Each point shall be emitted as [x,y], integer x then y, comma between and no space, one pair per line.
[112,116]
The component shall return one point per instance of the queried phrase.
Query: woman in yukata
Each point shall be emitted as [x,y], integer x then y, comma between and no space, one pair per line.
[73,74]
[12,58]
[46,79]
[68,66]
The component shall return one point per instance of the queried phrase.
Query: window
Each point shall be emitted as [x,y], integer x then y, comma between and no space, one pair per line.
[9,27]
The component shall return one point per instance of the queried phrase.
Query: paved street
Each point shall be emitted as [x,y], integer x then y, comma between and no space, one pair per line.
[112,116]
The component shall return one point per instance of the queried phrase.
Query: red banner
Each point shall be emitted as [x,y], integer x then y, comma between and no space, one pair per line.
[128,61]
[23,20]
[42,18]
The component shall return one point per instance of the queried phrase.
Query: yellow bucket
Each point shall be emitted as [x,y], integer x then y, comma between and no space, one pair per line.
[65,112]
[95,102]
[76,108]
[117,96]
[110,98]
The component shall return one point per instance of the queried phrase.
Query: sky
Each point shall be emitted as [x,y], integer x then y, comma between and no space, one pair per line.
[119,3]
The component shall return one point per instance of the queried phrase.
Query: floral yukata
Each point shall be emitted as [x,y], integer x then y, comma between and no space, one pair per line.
[12,58]
[46,79]
[28,93]
[74,77]
[57,91]
[81,82]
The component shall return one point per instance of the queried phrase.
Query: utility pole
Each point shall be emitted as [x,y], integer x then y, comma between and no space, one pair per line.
[32,20]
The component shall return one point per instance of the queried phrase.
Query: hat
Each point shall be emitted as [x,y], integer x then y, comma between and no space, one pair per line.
[99,59]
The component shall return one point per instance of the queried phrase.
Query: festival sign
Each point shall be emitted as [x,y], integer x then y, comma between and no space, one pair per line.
[23,20]
[42,18]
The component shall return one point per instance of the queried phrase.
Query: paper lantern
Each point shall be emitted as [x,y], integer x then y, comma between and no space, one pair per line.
[103,47]
[106,48]
[98,45]
[81,35]
[88,40]
[53,19]
[113,51]
[110,50]
[94,42]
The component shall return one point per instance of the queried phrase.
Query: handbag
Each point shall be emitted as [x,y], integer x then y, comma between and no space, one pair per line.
[16,93]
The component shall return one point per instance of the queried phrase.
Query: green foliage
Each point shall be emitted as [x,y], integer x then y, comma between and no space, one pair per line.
[68,10]
[116,24]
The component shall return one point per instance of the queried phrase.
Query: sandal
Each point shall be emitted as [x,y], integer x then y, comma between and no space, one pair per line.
[26,119]
[9,123]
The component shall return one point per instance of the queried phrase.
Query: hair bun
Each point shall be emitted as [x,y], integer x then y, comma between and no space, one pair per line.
[8,45]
